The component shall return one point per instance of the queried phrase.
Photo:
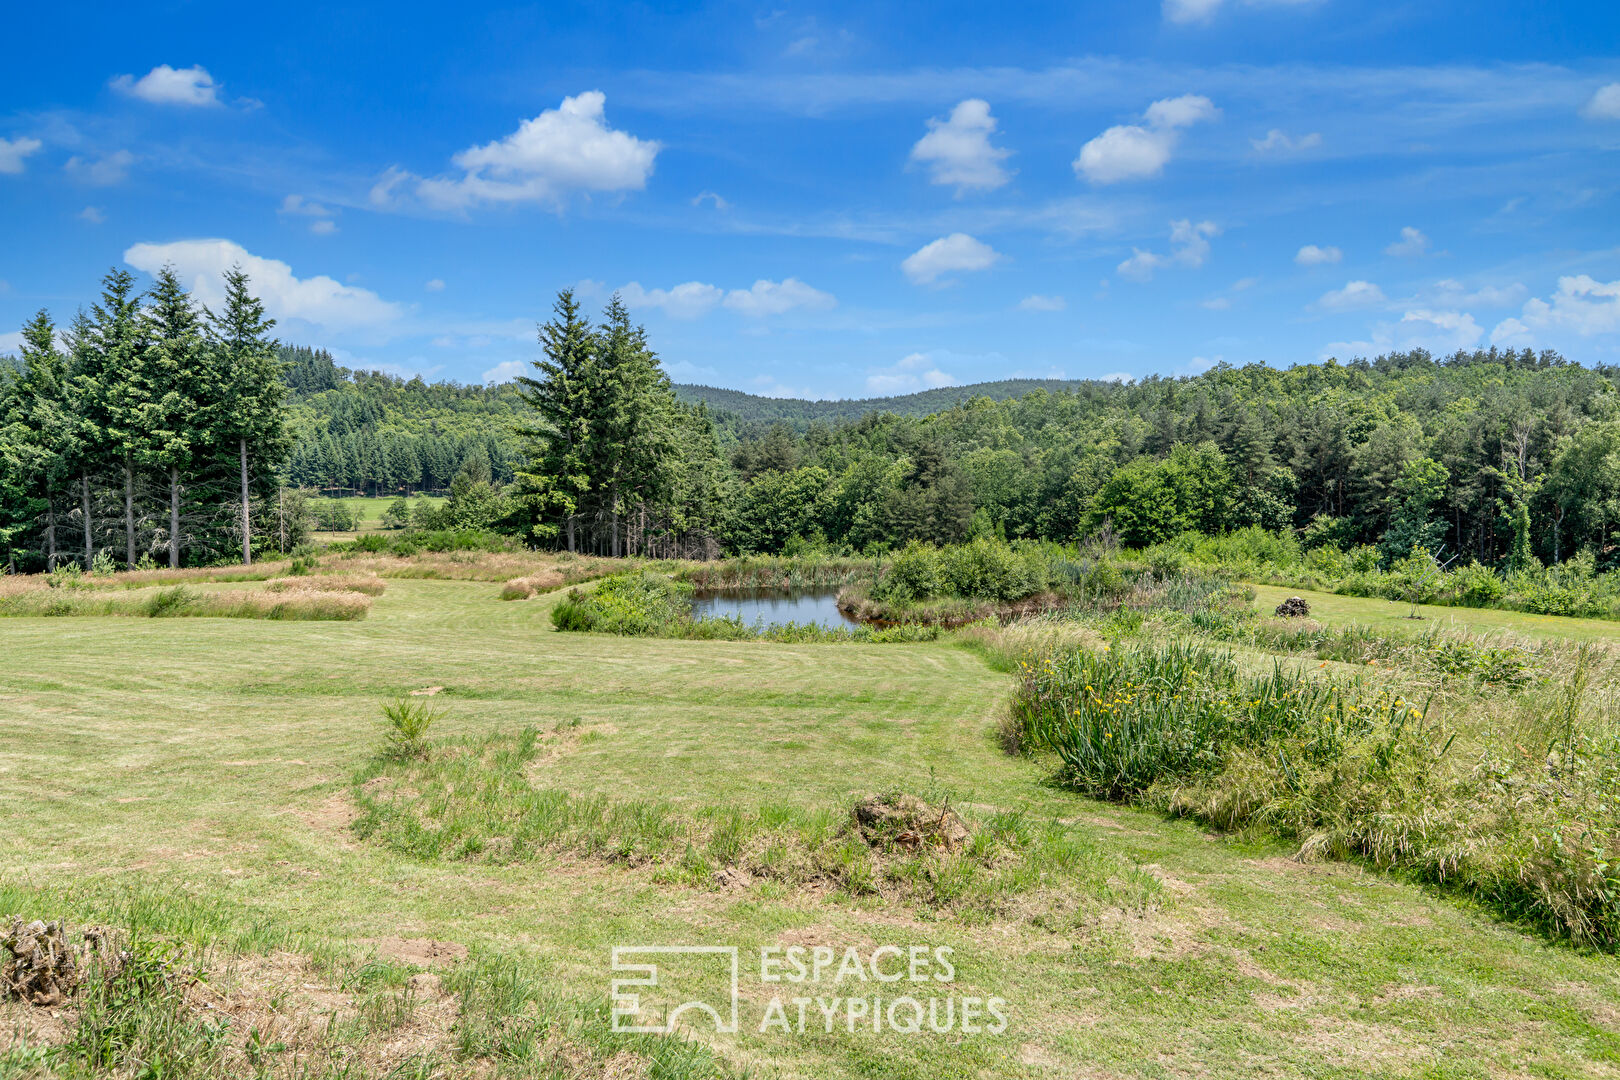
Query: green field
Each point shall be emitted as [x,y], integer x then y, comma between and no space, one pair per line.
[370,509]
[207,762]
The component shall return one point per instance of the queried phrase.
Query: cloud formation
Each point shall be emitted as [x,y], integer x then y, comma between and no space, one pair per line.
[1355,294]
[773,298]
[1582,304]
[1311,255]
[298,206]
[164,85]
[1189,247]
[918,371]
[695,299]
[948,255]
[1135,151]
[957,150]
[1605,104]
[104,171]
[1042,303]
[12,152]
[318,300]
[1277,141]
[1411,244]
[563,150]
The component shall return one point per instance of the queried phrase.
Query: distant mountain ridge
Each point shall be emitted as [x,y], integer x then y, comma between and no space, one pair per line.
[753,407]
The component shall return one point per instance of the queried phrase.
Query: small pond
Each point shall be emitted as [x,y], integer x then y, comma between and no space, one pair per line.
[774,607]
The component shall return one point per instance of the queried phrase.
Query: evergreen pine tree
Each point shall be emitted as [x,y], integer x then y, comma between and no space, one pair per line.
[180,396]
[251,408]
[557,478]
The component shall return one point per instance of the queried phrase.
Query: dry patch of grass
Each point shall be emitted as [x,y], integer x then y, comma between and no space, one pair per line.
[178,601]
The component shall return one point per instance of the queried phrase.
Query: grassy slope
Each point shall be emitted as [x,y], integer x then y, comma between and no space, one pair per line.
[213,756]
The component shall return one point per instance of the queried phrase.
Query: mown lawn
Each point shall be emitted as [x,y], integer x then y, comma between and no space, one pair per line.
[213,757]
[1394,616]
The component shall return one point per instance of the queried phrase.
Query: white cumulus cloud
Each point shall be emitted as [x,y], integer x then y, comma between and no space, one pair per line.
[318,300]
[1355,294]
[1189,247]
[776,298]
[164,85]
[1279,141]
[1311,255]
[957,150]
[1411,244]
[1042,303]
[1134,151]
[948,255]
[92,215]
[12,152]
[918,371]
[686,301]
[1605,104]
[1582,304]
[561,151]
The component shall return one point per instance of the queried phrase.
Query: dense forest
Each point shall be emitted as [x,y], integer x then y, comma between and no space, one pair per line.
[1488,456]
[364,432]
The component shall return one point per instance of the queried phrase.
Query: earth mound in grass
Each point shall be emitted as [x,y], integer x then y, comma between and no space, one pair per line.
[909,822]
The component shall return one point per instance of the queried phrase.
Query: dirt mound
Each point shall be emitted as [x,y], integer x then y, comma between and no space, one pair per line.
[1294,607]
[909,822]
[41,969]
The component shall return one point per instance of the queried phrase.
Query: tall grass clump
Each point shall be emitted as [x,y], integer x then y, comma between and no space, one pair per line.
[1527,819]
[408,722]
[1122,721]
[179,601]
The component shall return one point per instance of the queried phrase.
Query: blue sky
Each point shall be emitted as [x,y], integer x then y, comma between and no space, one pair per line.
[836,200]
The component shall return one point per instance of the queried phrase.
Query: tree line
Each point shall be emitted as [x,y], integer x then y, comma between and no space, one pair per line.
[148,426]
[370,433]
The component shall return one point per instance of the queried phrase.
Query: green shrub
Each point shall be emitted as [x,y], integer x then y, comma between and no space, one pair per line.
[639,604]
[914,574]
[987,569]
[1477,586]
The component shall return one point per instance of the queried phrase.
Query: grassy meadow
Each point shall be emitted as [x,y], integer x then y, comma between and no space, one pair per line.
[218,782]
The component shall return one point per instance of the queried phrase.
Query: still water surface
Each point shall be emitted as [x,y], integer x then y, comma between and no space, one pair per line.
[773,607]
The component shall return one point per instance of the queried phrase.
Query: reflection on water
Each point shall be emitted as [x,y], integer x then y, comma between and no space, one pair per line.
[772,607]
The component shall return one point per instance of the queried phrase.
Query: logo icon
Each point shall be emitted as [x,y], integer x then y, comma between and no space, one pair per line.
[628,992]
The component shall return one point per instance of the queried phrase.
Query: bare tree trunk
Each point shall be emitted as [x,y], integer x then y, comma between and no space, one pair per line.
[129,513]
[50,529]
[247,523]
[570,533]
[174,517]
[89,534]
[613,523]
[281,521]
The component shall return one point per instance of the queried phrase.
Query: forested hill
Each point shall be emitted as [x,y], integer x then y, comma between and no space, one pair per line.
[799,414]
